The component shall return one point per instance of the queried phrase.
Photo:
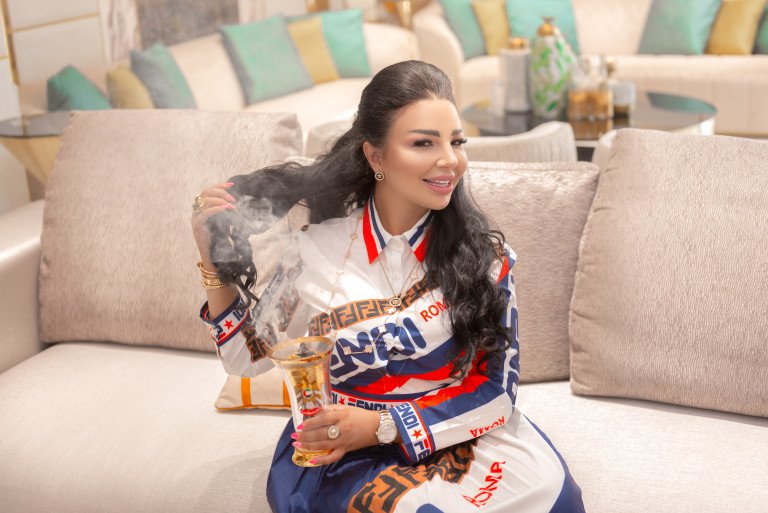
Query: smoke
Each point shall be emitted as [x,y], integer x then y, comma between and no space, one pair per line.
[275,245]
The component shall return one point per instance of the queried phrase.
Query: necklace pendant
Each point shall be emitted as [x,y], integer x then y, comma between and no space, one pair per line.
[395,301]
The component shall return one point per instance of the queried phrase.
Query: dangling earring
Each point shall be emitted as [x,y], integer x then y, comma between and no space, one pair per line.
[379,176]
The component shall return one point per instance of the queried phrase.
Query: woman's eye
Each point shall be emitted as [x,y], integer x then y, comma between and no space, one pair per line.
[422,142]
[459,142]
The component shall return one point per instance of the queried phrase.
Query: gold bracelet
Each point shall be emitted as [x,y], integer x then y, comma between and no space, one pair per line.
[212,284]
[206,273]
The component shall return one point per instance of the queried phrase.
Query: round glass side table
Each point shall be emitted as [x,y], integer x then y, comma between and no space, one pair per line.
[653,110]
[34,140]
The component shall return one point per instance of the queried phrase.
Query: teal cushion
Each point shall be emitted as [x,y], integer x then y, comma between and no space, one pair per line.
[265,60]
[761,43]
[526,16]
[71,90]
[162,77]
[343,32]
[463,22]
[679,27]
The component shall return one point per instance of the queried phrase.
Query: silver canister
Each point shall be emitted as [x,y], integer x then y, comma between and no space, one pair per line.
[513,71]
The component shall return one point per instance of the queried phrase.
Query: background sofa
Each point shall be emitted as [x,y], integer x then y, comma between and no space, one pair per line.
[109,378]
[735,85]
[212,79]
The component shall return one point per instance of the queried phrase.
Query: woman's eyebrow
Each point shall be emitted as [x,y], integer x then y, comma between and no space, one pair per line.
[434,133]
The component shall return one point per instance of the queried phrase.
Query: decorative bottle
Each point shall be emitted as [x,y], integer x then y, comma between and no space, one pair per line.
[552,60]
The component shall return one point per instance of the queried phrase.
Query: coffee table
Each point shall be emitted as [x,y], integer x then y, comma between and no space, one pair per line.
[653,110]
[34,140]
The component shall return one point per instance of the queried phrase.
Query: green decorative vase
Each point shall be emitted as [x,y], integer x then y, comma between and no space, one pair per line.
[552,61]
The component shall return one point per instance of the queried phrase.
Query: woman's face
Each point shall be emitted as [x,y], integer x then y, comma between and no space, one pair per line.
[423,158]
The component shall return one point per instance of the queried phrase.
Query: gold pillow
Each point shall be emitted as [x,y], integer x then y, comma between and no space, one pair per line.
[492,17]
[307,35]
[735,27]
[126,90]
[263,391]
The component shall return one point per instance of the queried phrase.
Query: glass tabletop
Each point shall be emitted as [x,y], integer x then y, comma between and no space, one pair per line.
[38,125]
[655,111]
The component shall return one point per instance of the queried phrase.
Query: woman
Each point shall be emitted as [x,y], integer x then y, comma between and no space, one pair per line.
[403,271]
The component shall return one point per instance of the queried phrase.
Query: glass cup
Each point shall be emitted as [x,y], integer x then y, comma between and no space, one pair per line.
[305,365]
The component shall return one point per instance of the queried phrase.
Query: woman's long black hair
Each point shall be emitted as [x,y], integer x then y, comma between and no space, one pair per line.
[462,246]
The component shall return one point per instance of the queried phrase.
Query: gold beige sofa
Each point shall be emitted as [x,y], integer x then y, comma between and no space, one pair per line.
[108,379]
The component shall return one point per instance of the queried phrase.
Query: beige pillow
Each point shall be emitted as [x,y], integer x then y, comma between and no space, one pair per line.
[118,257]
[264,391]
[670,302]
[541,209]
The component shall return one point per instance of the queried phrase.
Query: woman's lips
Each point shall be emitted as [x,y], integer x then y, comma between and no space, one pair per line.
[442,185]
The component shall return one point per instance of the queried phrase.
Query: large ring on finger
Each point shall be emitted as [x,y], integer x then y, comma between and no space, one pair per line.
[198,205]
[333,431]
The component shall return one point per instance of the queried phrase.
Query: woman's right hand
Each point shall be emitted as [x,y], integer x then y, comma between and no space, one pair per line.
[217,200]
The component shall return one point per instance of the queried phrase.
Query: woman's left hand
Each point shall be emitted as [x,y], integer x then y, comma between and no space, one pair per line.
[357,429]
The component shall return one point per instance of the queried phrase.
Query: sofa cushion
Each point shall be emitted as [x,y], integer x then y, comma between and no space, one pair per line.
[679,27]
[71,90]
[761,43]
[126,90]
[463,22]
[525,17]
[633,456]
[542,215]
[161,75]
[492,17]
[670,299]
[118,257]
[610,26]
[209,73]
[308,37]
[265,59]
[89,427]
[344,33]
[735,27]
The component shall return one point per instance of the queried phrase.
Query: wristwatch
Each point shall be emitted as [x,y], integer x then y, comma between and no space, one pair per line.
[387,432]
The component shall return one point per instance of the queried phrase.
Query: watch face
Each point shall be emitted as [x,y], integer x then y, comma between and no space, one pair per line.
[387,433]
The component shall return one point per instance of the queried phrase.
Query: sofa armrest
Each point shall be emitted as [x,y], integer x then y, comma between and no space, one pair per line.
[19,267]
[438,44]
[388,44]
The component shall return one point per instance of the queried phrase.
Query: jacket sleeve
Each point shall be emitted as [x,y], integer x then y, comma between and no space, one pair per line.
[242,337]
[232,333]
[469,407]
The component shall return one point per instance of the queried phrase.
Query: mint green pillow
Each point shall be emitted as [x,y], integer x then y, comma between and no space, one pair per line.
[463,22]
[761,43]
[162,77]
[343,32]
[679,27]
[71,90]
[265,60]
[526,16]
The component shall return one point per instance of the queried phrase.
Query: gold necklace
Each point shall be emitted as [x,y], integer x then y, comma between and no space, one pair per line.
[394,302]
[397,299]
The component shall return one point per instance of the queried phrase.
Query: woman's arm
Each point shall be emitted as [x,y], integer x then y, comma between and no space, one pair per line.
[470,407]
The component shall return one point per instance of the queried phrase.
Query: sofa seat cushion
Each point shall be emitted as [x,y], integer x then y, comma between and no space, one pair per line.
[86,425]
[630,456]
[735,85]
[322,103]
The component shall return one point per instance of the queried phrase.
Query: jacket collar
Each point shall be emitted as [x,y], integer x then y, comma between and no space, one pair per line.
[376,237]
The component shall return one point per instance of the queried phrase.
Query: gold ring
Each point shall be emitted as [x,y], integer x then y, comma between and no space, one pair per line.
[198,205]
[333,431]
